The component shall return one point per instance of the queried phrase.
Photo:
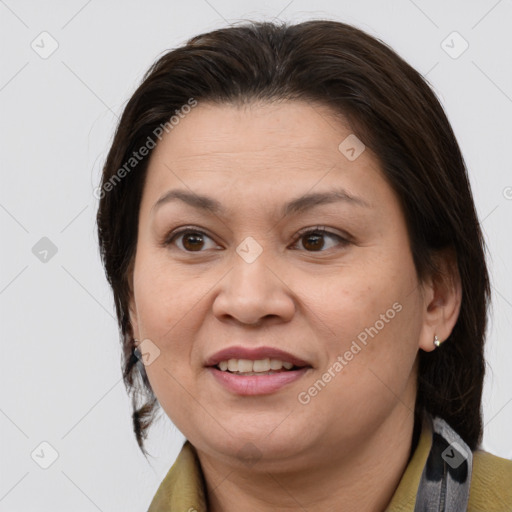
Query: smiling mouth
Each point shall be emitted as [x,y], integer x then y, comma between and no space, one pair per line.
[264,376]
[248,367]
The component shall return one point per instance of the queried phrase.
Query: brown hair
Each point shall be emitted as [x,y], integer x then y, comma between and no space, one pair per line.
[390,107]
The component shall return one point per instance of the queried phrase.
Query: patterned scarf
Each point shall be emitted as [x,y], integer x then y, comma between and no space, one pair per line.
[446,478]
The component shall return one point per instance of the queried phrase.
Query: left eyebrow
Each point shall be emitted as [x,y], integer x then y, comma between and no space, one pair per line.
[309,201]
[295,206]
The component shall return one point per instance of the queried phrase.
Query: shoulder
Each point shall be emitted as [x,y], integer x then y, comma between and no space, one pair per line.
[183,486]
[491,483]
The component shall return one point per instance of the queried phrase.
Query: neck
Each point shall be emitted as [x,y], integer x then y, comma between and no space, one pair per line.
[363,480]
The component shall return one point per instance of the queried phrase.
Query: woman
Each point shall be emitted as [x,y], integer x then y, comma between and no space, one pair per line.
[299,275]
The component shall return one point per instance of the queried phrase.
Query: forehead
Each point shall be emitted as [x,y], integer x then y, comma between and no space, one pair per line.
[260,130]
[271,149]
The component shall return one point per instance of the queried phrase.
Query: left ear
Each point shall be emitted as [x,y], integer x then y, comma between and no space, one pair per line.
[442,293]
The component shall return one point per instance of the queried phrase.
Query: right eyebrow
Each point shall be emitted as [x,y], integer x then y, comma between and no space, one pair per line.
[195,200]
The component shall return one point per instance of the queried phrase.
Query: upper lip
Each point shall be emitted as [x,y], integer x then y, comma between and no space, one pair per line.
[238,352]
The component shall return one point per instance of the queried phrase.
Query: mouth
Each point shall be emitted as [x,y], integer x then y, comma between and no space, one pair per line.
[256,371]
[265,366]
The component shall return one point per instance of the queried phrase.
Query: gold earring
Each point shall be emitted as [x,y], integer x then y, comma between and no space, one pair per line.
[437,341]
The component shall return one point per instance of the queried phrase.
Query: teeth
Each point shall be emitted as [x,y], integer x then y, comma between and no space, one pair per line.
[248,366]
[261,365]
[276,364]
[245,365]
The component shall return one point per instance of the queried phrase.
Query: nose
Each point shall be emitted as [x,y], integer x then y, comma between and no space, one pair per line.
[254,293]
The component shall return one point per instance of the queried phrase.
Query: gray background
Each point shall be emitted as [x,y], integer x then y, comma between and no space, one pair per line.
[61,378]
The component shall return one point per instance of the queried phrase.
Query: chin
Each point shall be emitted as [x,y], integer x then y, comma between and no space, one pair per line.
[263,444]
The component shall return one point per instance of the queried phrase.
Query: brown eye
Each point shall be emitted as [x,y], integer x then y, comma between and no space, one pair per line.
[191,240]
[314,239]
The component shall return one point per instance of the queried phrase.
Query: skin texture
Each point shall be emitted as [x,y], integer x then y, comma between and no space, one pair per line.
[350,443]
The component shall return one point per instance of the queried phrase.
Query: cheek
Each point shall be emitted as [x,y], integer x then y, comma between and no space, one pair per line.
[369,368]
[362,300]
[165,305]
[165,297]
[370,316]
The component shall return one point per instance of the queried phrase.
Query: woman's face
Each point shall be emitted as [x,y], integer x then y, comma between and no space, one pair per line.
[346,304]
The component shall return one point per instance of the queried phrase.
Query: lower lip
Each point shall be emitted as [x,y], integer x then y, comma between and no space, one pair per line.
[256,384]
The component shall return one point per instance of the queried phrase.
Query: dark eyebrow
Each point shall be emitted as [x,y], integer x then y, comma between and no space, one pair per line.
[295,206]
[308,201]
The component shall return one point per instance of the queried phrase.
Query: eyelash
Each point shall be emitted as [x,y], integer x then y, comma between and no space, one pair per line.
[319,230]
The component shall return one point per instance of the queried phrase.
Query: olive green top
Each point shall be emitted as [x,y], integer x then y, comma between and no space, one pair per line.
[182,489]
